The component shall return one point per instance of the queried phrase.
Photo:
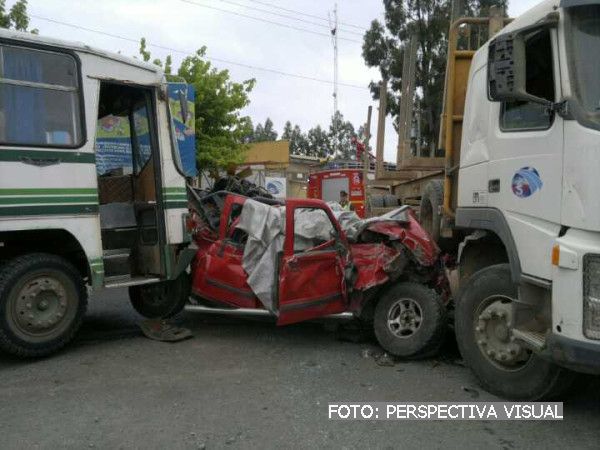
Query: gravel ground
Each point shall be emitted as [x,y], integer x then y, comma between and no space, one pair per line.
[248,384]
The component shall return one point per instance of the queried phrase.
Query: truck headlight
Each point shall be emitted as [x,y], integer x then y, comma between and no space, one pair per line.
[591,296]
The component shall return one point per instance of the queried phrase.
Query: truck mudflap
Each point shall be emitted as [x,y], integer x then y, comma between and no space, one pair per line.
[576,355]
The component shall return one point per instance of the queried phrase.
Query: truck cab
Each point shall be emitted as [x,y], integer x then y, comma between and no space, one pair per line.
[523,205]
[92,185]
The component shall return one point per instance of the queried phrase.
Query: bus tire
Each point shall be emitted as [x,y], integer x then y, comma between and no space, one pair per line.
[42,303]
[161,300]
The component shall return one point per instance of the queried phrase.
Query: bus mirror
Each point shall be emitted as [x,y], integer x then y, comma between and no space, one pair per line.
[181,107]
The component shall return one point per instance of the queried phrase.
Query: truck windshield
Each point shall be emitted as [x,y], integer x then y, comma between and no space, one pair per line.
[585,57]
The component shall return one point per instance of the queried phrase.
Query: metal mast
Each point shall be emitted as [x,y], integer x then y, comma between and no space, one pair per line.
[334,38]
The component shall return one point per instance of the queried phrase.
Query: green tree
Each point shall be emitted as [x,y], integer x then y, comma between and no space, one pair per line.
[298,141]
[343,132]
[384,44]
[481,8]
[429,20]
[318,142]
[221,130]
[17,18]
[264,133]
[287,131]
[220,127]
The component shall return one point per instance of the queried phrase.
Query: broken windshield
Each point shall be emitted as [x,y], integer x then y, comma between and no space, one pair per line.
[585,58]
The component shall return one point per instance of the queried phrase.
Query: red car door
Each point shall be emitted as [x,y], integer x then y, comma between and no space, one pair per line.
[311,275]
[219,275]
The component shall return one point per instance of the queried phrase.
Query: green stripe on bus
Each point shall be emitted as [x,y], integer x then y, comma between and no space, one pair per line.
[174,189]
[50,191]
[176,205]
[45,199]
[43,210]
[43,157]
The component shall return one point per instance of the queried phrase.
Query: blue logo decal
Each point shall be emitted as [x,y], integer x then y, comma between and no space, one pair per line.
[526,182]
[275,187]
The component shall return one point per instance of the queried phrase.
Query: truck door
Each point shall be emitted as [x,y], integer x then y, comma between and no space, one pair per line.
[311,275]
[526,158]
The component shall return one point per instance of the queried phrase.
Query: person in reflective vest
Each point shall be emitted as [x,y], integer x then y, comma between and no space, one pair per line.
[346,205]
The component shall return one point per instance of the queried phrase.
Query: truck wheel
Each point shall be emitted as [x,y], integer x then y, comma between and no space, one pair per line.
[410,321]
[390,201]
[161,300]
[42,303]
[429,212]
[503,367]
[377,201]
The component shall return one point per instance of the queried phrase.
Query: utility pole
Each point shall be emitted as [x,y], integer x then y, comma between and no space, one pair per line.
[366,156]
[381,128]
[334,38]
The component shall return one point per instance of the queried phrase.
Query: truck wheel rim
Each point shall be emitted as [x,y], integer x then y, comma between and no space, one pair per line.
[492,327]
[41,306]
[404,318]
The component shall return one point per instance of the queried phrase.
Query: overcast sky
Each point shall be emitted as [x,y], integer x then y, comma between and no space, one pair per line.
[232,38]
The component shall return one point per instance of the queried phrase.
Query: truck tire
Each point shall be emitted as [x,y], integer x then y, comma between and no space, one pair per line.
[42,303]
[161,300]
[431,201]
[377,201]
[410,321]
[390,201]
[503,368]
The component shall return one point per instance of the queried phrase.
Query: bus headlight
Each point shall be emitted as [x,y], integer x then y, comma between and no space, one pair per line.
[591,296]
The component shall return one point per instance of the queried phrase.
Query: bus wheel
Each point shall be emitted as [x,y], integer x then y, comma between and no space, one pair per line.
[503,366]
[42,303]
[161,300]
[410,321]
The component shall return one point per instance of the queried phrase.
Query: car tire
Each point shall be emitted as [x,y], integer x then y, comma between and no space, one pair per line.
[42,303]
[528,379]
[161,300]
[410,321]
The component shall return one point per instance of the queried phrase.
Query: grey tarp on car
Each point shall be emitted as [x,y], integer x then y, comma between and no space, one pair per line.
[265,226]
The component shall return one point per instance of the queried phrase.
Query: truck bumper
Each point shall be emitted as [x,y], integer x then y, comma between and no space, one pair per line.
[580,356]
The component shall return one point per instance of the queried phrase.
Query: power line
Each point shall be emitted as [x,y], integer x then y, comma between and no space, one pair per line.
[272,22]
[303,13]
[187,53]
[287,16]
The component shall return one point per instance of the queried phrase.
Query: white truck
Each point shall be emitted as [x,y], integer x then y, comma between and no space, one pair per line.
[518,203]
[92,186]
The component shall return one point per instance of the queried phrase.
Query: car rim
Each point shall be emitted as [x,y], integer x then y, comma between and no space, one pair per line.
[492,322]
[42,306]
[404,318]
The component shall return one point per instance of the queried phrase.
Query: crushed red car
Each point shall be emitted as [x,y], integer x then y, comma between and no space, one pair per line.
[302,259]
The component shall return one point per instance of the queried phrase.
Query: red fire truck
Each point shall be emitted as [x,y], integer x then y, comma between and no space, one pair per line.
[327,184]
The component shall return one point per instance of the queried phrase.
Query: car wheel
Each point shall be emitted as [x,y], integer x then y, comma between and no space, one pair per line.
[410,321]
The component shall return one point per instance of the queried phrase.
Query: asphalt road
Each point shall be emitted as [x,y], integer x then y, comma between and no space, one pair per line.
[248,384]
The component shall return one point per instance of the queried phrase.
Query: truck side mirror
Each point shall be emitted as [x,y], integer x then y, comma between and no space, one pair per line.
[506,68]
[507,64]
